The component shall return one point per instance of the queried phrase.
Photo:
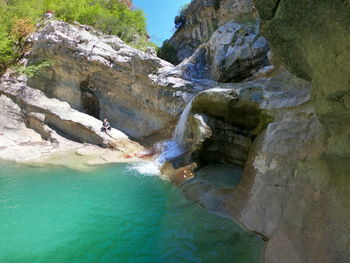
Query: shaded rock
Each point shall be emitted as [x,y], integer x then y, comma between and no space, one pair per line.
[211,185]
[200,129]
[220,176]
[233,121]
[312,40]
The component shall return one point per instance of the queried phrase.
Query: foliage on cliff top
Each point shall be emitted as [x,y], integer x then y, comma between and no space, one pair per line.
[179,20]
[18,17]
[168,52]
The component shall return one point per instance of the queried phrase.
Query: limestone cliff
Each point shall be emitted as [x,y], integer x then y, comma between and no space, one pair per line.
[102,76]
[288,134]
[92,76]
[33,126]
[271,149]
[220,40]
[202,18]
[234,52]
[312,38]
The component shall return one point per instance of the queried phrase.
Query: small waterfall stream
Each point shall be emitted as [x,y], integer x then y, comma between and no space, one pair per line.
[180,128]
[169,149]
[175,146]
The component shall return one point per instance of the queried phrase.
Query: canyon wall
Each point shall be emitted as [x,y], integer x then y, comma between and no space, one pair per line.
[288,132]
[313,41]
[202,18]
[99,74]
[87,76]
[284,129]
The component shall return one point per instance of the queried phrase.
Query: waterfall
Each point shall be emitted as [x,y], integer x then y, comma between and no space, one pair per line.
[175,147]
[180,129]
[169,149]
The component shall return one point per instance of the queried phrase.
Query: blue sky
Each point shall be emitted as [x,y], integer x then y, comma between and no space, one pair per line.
[160,17]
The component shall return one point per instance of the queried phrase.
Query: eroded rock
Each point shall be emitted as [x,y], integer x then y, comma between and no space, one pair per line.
[33,125]
[102,76]
[312,40]
[233,53]
[202,18]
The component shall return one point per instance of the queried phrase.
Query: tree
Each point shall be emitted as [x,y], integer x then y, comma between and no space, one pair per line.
[179,21]
[20,30]
[17,19]
[168,52]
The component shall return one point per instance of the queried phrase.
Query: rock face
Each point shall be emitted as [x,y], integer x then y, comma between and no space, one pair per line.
[220,40]
[313,41]
[202,18]
[233,53]
[102,76]
[284,137]
[33,125]
[269,130]
[290,135]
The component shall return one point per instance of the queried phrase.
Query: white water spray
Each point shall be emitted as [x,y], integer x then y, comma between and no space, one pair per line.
[175,147]
[169,149]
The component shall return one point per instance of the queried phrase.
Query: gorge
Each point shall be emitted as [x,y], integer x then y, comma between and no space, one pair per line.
[262,88]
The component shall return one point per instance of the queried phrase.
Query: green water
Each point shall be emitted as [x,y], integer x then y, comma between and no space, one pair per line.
[110,215]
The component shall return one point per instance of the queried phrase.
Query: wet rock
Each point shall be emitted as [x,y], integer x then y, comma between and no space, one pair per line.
[180,175]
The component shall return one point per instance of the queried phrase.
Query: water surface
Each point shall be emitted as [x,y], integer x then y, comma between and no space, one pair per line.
[110,214]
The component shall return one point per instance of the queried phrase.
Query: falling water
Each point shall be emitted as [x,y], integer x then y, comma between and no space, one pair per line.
[175,147]
[180,128]
[169,149]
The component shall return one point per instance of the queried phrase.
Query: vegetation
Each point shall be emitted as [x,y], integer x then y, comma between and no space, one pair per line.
[183,8]
[19,17]
[168,52]
[32,70]
[179,20]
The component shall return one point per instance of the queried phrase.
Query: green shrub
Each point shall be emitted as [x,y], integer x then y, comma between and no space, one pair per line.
[180,20]
[12,41]
[168,52]
[17,19]
[6,49]
[33,70]
[109,16]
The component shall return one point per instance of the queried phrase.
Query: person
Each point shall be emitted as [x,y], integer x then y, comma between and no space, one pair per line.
[105,126]
[49,14]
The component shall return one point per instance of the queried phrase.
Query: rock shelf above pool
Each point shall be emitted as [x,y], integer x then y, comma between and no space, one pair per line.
[33,125]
